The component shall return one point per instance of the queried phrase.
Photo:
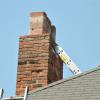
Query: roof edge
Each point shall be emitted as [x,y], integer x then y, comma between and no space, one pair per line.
[64,80]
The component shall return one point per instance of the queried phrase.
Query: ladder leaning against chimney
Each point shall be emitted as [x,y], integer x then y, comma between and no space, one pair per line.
[66,59]
[14,98]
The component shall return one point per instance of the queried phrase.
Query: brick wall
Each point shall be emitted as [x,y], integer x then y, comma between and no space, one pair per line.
[38,65]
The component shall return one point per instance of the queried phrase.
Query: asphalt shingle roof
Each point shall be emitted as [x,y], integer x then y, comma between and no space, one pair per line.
[85,86]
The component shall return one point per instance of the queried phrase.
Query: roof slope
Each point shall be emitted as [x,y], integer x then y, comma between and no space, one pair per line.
[85,86]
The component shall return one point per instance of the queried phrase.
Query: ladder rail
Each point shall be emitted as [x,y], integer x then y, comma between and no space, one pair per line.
[25,94]
[1,93]
[67,60]
[15,98]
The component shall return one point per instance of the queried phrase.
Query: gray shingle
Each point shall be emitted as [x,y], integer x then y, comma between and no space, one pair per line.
[85,86]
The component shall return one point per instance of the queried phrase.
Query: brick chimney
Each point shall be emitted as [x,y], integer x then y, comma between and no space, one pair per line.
[38,65]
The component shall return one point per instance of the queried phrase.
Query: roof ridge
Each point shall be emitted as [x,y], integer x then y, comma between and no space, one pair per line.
[64,80]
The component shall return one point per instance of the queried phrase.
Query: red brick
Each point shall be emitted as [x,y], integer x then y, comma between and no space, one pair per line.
[37,14]
[37,64]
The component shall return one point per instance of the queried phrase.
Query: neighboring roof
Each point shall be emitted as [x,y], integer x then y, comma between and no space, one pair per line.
[85,86]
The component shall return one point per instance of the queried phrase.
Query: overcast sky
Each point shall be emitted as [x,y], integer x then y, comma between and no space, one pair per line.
[78,33]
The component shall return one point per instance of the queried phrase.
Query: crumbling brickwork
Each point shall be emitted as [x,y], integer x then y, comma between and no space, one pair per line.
[38,65]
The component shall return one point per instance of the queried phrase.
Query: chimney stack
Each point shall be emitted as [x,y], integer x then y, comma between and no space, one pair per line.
[38,65]
[39,23]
